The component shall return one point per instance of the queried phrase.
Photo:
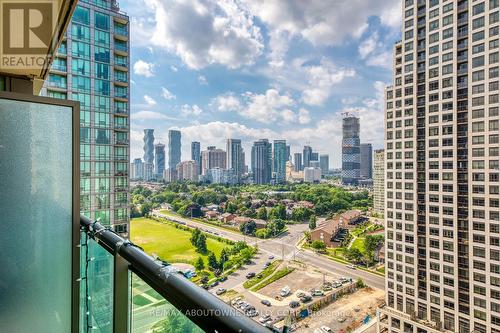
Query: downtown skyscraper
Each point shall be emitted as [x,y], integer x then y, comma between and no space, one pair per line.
[174,148]
[262,161]
[235,157]
[159,160]
[92,67]
[442,171]
[196,154]
[280,158]
[350,150]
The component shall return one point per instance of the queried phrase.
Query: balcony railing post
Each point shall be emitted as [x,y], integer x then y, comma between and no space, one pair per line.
[121,295]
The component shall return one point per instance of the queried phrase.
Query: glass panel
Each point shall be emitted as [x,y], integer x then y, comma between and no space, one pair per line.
[96,289]
[36,223]
[151,312]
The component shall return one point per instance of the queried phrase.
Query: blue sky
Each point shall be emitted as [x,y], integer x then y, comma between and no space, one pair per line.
[254,69]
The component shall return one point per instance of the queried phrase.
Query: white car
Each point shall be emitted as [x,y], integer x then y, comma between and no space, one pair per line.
[326,329]
[351,266]
[264,318]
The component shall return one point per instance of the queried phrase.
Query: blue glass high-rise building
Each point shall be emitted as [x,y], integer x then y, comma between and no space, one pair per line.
[350,150]
[174,149]
[262,161]
[279,161]
[159,160]
[196,154]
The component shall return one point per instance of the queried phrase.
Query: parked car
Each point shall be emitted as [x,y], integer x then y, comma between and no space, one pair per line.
[268,264]
[294,304]
[252,313]
[306,299]
[205,286]
[317,292]
[351,266]
[220,291]
[271,257]
[250,275]
[264,318]
[326,329]
[236,300]
[285,291]
[223,278]
[214,284]
[300,294]
[327,287]
[266,302]
[204,279]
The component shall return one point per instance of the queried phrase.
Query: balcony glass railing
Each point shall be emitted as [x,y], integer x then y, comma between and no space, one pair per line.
[147,295]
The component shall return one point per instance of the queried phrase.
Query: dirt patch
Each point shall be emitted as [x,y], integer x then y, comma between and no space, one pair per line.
[347,313]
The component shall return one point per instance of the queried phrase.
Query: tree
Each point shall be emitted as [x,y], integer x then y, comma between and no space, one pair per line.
[354,254]
[262,213]
[312,222]
[199,264]
[224,257]
[146,208]
[248,228]
[262,233]
[278,212]
[212,261]
[318,245]
[201,243]
[231,207]
[194,236]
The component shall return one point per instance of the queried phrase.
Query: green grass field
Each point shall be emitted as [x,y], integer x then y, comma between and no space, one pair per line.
[359,244]
[167,242]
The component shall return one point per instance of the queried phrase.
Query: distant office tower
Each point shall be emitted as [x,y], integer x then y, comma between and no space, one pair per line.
[159,160]
[442,171]
[324,163]
[187,170]
[279,161]
[350,150]
[196,154]
[174,148]
[378,181]
[314,164]
[314,157]
[235,157]
[148,147]
[306,156]
[170,175]
[288,156]
[262,161]
[365,160]
[148,171]
[212,158]
[221,176]
[312,174]
[136,169]
[297,160]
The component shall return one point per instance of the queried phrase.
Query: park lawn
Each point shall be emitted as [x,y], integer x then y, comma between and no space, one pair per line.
[359,243]
[167,242]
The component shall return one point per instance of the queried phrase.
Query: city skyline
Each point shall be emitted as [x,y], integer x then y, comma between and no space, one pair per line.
[176,86]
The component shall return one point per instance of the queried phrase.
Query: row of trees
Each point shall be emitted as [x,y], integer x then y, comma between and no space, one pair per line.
[272,228]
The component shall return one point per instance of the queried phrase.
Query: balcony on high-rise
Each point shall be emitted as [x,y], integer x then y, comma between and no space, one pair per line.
[60,271]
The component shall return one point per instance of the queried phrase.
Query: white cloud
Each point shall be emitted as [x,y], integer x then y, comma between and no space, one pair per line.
[191,110]
[272,106]
[149,115]
[167,94]
[374,52]
[149,100]
[319,21]
[173,68]
[144,68]
[321,79]
[207,32]
[228,103]
[202,79]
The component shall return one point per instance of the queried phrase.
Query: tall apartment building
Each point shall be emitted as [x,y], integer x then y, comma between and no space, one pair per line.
[187,170]
[196,154]
[235,157]
[136,169]
[148,157]
[212,158]
[365,160]
[262,161]
[159,160]
[379,181]
[350,150]
[306,156]
[324,163]
[279,161]
[442,168]
[174,149]
[297,159]
[91,67]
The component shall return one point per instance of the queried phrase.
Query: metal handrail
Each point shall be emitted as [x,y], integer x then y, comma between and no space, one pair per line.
[187,297]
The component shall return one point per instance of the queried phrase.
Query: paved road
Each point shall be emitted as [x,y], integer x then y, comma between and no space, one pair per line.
[283,246]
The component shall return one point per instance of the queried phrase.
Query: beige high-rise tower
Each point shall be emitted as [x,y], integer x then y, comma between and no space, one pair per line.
[442,171]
